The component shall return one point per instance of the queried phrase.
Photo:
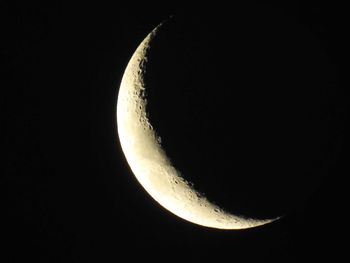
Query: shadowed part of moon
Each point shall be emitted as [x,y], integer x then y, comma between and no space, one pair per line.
[243,111]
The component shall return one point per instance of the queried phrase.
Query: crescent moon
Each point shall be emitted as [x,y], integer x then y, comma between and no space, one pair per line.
[148,160]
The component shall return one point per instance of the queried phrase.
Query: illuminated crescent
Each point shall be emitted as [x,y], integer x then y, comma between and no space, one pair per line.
[148,160]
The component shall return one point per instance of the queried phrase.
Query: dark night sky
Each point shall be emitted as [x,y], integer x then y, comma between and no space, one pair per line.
[69,193]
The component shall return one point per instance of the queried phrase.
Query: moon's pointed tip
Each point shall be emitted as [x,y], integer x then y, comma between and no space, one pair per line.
[259,222]
[166,20]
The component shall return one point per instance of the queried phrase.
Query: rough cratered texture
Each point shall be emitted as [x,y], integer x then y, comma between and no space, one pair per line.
[148,160]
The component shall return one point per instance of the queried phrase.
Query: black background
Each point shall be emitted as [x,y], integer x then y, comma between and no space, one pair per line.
[69,193]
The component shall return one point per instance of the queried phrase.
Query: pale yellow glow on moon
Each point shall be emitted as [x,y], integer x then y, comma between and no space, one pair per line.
[148,160]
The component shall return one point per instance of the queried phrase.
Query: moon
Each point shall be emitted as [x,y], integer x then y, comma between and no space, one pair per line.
[149,162]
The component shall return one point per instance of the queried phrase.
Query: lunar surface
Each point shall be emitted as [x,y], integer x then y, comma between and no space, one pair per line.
[148,160]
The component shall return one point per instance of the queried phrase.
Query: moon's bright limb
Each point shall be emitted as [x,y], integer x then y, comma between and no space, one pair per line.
[148,160]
